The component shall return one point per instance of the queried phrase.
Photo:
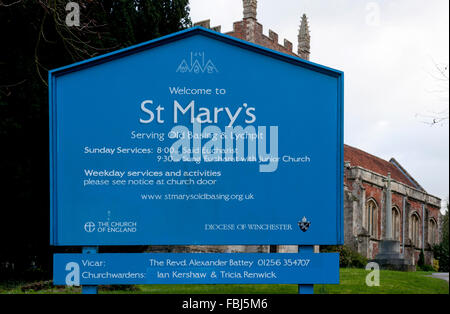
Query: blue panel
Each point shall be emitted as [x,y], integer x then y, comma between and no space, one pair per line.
[146,268]
[114,181]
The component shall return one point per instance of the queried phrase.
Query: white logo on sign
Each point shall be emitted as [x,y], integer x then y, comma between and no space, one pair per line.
[89,227]
[73,277]
[197,64]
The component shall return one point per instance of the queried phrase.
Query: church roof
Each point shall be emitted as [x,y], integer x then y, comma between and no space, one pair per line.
[360,158]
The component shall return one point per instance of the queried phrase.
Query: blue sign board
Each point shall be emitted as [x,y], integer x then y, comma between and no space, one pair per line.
[173,268]
[196,138]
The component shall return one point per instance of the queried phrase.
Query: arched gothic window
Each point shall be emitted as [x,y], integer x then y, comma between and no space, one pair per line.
[414,232]
[432,231]
[396,223]
[371,218]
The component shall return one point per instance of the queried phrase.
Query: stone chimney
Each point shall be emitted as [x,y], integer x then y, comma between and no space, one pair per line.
[304,39]
[250,9]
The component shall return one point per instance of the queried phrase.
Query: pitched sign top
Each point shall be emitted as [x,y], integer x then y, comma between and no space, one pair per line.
[197,30]
[196,138]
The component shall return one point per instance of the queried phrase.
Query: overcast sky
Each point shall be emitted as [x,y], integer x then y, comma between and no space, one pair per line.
[388,50]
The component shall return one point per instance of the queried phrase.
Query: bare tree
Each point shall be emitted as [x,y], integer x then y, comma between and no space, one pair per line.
[440,115]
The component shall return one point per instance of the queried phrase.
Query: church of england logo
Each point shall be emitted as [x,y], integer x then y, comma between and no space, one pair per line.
[197,64]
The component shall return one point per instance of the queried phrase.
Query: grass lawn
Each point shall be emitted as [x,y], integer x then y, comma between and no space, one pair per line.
[352,282]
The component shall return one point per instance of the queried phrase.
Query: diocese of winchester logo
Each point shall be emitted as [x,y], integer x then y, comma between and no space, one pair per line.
[304,224]
[197,64]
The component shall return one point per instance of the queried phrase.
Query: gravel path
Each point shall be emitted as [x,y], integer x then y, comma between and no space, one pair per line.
[443,276]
